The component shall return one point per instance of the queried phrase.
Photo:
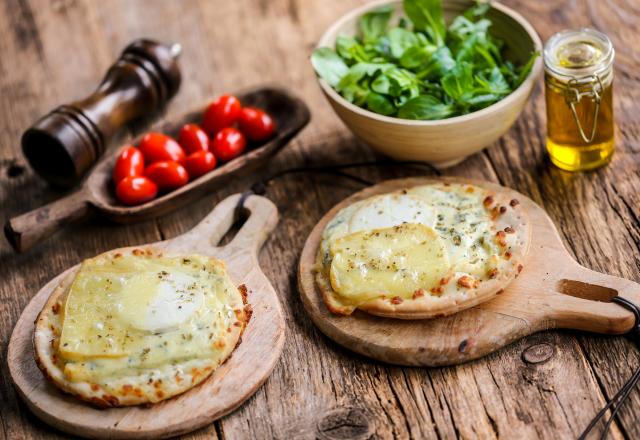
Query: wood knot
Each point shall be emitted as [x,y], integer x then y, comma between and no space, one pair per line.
[538,353]
[345,423]
[464,346]
[14,169]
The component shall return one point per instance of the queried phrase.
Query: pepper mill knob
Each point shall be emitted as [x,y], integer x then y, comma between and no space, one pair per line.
[65,143]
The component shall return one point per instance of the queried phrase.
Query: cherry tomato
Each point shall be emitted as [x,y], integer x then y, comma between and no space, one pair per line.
[167,174]
[130,163]
[192,138]
[228,144]
[199,163]
[135,190]
[157,146]
[256,124]
[221,113]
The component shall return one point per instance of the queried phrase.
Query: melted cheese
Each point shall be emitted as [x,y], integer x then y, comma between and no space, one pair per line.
[395,262]
[445,232]
[391,210]
[131,313]
[465,224]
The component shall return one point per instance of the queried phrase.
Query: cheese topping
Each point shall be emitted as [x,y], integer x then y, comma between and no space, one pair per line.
[395,261]
[465,224]
[130,313]
[392,210]
[419,239]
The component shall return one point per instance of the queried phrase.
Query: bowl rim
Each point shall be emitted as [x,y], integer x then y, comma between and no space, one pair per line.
[523,88]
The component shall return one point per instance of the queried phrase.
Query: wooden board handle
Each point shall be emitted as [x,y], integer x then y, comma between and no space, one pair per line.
[263,218]
[583,301]
[31,228]
[205,236]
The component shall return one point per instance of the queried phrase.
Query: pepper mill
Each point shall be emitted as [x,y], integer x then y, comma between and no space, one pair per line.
[65,143]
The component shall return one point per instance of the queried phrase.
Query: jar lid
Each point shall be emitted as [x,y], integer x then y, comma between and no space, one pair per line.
[578,53]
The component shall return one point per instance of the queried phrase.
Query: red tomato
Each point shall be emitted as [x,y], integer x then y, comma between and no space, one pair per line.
[135,190]
[199,163]
[157,146]
[256,124]
[228,144]
[221,113]
[167,174]
[192,138]
[130,163]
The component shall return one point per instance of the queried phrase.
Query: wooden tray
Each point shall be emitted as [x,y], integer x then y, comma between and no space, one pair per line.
[230,385]
[97,193]
[553,291]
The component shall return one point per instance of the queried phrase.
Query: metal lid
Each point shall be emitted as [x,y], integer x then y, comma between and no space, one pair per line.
[578,53]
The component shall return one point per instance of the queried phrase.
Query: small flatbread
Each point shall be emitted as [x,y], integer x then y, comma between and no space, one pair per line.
[507,225]
[144,385]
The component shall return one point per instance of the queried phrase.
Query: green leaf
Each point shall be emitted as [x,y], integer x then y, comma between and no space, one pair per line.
[417,56]
[426,16]
[345,46]
[380,104]
[355,92]
[360,70]
[438,64]
[328,65]
[482,101]
[373,24]
[352,85]
[480,9]
[352,51]
[381,84]
[400,40]
[524,70]
[462,27]
[458,83]
[426,107]
[419,68]
[470,41]
[497,83]
[401,77]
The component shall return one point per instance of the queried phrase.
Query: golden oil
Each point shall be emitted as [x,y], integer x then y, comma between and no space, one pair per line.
[579,99]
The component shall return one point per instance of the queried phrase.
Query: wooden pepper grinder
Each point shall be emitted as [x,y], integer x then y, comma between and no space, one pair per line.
[65,143]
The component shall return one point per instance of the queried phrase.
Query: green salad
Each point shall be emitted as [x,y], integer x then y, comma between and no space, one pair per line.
[418,68]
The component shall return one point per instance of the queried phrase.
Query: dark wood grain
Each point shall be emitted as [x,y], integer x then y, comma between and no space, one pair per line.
[319,390]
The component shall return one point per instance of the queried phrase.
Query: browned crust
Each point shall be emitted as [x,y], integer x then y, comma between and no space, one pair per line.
[108,400]
[500,201]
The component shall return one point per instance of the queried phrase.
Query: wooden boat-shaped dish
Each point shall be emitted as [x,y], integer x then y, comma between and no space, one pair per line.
[97,194]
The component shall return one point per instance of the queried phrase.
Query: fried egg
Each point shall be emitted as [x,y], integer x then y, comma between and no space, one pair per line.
[422,251]
[138,326]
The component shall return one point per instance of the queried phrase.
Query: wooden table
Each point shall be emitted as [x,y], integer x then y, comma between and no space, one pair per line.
[545,386]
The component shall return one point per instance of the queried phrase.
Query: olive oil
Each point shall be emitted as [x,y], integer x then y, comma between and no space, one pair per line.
[579,99]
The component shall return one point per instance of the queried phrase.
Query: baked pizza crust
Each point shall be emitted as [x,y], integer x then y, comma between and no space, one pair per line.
[508,213]
[169,380]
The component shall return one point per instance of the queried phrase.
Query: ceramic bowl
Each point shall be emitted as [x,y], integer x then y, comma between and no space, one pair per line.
[443,142]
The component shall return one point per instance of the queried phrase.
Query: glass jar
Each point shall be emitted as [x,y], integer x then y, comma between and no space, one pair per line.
[578,68]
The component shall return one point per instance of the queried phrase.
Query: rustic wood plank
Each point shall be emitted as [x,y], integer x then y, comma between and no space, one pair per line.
[596,212]
[229,45]
[38,72]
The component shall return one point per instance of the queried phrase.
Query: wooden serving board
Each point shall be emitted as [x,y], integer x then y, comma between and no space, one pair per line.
[230,385]
[553,291]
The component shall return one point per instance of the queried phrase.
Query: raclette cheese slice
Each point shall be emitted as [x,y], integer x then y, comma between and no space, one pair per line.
[141,312]
[393,262]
